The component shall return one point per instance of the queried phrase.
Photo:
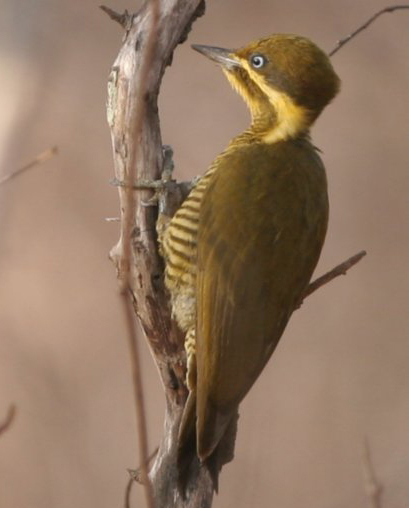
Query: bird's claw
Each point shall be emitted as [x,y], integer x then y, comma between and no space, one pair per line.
[168,193]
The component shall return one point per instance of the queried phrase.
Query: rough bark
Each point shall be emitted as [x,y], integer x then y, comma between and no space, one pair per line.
[149,296]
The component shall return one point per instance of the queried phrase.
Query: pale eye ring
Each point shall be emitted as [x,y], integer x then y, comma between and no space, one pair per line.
[258,61]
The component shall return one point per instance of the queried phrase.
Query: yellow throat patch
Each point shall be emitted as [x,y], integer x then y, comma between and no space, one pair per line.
[292,119]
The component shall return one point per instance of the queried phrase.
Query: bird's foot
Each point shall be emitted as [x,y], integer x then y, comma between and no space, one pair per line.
[168,193]
[166,183]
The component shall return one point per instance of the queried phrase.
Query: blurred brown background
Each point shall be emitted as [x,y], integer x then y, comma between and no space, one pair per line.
[341,371]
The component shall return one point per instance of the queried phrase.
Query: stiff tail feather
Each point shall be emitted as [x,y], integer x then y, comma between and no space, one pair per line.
[188,463]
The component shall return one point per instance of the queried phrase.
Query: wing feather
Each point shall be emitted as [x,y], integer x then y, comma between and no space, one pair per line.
[254,224]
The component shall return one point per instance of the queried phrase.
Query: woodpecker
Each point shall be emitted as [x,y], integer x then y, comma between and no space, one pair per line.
[241,250]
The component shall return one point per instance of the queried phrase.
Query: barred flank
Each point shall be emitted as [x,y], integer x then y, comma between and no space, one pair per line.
[180,241]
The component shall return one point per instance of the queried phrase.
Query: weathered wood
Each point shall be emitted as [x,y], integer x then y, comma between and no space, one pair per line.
[148,293]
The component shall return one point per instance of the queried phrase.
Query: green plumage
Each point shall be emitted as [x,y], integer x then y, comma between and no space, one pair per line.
[262,224]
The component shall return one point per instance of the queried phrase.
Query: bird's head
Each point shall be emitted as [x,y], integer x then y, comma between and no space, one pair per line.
[286,81]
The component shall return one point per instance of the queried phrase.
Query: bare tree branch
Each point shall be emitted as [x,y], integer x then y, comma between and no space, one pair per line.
[134,116]
[5,425]
[44,156]
[340,269]
[365,25]
[132,102]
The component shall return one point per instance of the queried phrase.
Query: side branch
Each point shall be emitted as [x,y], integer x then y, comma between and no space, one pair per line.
[340,269]
[124,19]
[365,25]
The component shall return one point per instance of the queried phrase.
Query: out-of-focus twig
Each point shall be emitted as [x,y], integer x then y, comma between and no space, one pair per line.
[5,424]
[128,491]
[42,157]
[365,25]
[340,269]
[373,489]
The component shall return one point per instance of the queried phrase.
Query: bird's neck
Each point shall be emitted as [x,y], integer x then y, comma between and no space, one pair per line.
[275,115]
[279,119]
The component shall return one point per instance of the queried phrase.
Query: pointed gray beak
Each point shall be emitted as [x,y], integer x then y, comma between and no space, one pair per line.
[222,56]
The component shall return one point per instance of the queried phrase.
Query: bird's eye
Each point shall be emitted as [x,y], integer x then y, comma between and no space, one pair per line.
[257,61]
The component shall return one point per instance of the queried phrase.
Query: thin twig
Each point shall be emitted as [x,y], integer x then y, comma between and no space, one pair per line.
[134,121]
[365,25]
[124,19]
[11,413]
[44,156]
[128,491]
[373,489]
[135,476]
[340,269]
